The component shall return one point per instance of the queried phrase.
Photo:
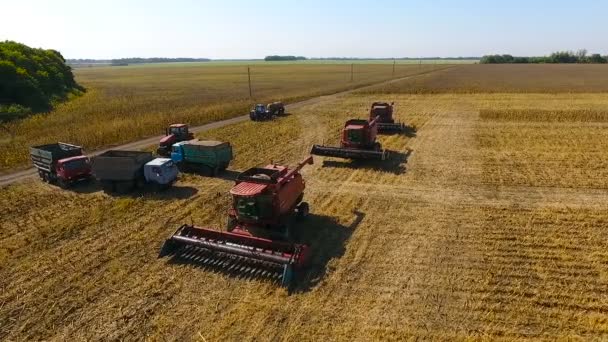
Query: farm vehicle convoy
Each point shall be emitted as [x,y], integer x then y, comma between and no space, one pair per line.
[261,112]
[266,201]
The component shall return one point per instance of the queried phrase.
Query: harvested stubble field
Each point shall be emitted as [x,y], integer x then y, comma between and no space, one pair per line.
[123,104]
[480,228]
[506,78]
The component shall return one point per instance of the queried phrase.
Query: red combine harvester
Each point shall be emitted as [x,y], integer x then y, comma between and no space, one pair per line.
[175,133]
[265,202]
[358,142]
[384,112]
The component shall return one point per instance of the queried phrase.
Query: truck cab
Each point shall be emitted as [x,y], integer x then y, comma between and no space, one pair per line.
[73,168]
[161,171]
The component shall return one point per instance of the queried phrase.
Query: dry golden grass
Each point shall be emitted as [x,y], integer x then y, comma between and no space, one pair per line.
[126,103]
[435,245]
[506,78]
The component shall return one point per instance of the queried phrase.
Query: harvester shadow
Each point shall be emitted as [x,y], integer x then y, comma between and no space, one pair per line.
[327,239]
[174,192]
[395,163]
[408,131]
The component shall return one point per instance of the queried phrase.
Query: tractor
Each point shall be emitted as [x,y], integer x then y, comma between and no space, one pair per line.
[384,112]
[358,142]
[265,201]
[173,134]
[260,113]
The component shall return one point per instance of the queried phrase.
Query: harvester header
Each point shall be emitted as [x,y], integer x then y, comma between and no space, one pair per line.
[358,141]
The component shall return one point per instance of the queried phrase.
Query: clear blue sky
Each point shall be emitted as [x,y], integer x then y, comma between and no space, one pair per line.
[313,28]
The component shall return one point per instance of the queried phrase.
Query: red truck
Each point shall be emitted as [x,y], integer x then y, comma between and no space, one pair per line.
[61,163]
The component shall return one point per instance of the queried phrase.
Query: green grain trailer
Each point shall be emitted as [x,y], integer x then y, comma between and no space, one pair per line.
[206,157]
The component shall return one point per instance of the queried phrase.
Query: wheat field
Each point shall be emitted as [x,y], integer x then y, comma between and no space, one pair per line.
[488,224]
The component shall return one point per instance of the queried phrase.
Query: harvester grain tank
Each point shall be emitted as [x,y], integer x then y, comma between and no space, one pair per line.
[205,156]
[264,203]
[358,141]
[123,171]
[173,134]
[384,112]
[60,163]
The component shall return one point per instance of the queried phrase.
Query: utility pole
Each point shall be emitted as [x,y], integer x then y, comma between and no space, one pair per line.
[249,80]
[394,67]
[351,71]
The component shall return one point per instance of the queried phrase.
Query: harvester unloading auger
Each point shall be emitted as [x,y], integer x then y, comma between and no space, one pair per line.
[358,142]
[257,243]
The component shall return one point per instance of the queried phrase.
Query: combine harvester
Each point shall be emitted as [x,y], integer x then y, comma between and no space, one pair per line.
[358,142]
[257,243]
[383,112]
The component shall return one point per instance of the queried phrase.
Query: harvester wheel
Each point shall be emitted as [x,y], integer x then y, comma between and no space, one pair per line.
[303,209]
[62,183]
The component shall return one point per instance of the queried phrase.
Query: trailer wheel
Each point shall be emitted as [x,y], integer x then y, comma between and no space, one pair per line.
[206,170]
[123,187]
[62,183]
[303,209]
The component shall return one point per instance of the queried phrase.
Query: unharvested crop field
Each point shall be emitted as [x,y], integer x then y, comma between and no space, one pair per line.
[506,78]
[126,103]
[489,223]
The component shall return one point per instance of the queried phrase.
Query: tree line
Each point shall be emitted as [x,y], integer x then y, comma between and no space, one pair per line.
[284,58]
[580,56]
[32,80]
[138,60]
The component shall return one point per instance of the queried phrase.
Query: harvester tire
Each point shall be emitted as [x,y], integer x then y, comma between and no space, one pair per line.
[62,183]
[231,224]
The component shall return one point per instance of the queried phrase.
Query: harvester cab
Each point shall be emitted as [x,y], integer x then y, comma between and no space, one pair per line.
[384,112]
[173,134]
[264,202]
[358,141]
